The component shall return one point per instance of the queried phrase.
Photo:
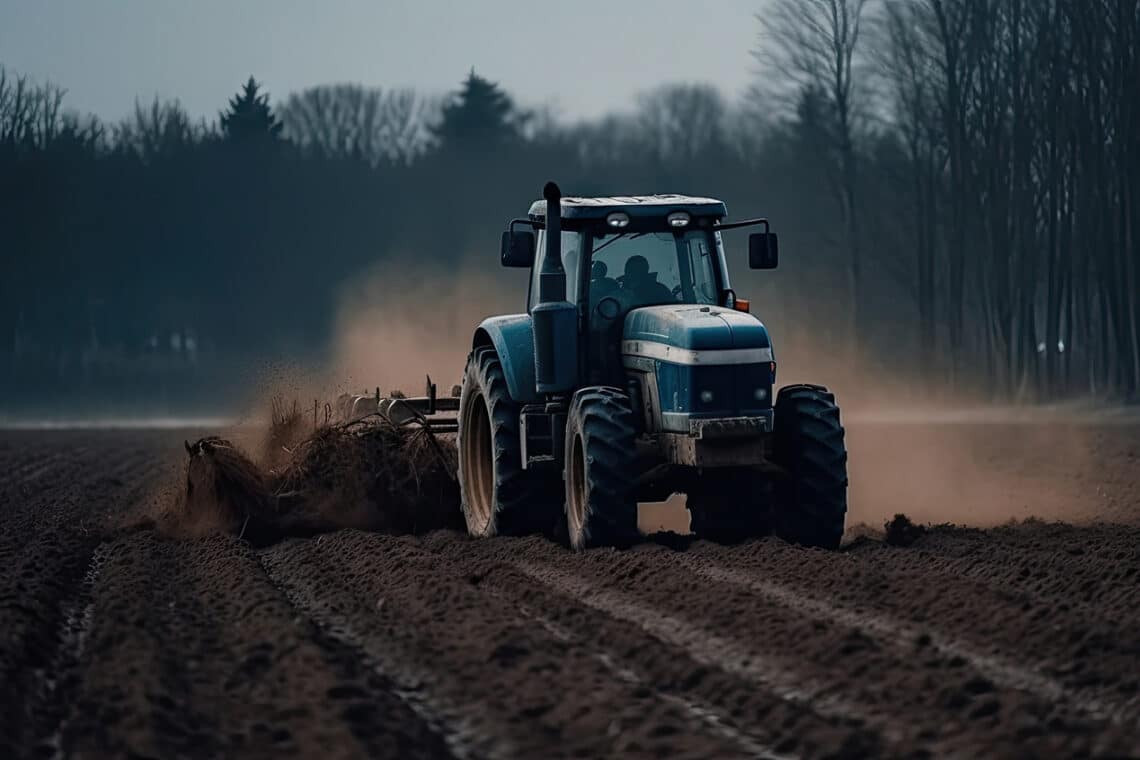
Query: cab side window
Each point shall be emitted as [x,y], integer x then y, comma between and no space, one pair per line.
[571,258]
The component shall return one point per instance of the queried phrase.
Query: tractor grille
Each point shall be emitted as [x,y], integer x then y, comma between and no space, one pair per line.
[714,391]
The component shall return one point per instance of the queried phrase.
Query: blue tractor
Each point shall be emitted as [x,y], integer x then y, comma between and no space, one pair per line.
[636,372]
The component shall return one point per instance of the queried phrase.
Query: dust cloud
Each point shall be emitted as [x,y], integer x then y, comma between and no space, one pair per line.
[942,454]
[987,473]
[391,331]
[934,455]
[977,474]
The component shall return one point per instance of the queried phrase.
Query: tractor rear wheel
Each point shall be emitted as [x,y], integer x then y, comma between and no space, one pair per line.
[811,501]
[601,509]
[730,506]
[497,495]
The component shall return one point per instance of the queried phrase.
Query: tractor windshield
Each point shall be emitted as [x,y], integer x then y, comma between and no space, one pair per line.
[653,268]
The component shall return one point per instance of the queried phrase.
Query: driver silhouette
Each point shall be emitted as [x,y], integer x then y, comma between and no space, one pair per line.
[640,286]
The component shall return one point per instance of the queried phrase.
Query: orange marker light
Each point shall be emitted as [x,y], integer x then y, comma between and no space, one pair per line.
[742,304]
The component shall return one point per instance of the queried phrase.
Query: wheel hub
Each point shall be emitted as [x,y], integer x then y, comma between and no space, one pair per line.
[576,488]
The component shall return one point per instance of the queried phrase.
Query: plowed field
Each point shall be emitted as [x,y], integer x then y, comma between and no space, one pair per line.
[1006,639]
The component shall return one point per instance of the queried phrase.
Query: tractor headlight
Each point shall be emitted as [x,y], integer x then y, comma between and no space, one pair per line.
[618,219]
[678,219]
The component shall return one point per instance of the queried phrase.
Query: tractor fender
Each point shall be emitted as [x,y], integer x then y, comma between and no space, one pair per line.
[513,339]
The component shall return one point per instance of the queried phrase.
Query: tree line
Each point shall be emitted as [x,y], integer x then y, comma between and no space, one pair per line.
[955,183]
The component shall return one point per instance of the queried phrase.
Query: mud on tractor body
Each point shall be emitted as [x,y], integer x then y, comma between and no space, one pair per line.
[634,373]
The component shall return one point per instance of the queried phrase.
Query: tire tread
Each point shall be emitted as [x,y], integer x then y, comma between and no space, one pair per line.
[604,418]
[522,500]
[812,507]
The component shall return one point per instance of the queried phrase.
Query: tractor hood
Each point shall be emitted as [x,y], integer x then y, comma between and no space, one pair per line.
[693,328]
[697,363]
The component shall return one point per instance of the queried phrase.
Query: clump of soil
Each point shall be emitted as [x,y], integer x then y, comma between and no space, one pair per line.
[368,474]
[225,491]
[900,531]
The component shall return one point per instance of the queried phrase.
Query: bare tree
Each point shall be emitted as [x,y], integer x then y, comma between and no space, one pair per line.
[353,121]
[162,128]
[30,114]
[1022,117]
[612,139]
[815,45]
[908,69]
[681,121]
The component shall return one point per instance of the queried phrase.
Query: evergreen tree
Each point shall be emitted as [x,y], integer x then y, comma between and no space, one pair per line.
[249,117]
[478,117]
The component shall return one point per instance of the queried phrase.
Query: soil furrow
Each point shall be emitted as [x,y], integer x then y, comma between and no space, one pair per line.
[195,653]
[1047,650]
[1018,577]
[789,727]
[136,691]
[703,646]
[301,574]
[952,703]
[513,683]
[50,701]
[717,722]
[1094,567]
[901,635]
[47,549]
[337,637]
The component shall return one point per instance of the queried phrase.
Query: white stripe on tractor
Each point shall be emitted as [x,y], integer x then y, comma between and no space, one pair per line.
[652,350]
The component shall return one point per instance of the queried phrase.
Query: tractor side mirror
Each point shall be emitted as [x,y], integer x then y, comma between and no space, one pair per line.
[518,248]
[763,250]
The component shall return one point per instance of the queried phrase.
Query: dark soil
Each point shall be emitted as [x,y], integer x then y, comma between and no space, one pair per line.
[120,639]
[900,531]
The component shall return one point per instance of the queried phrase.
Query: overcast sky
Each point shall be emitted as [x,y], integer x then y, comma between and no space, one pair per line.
[584,57]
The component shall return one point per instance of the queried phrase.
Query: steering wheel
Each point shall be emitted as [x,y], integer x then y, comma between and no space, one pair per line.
[677,289]
[608,308]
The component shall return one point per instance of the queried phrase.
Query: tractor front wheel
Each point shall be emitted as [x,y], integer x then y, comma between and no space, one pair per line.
[497,495]
[811,501]
[601,509]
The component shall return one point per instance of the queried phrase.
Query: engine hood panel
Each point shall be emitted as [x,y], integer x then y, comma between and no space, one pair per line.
[697,362]
[696,328]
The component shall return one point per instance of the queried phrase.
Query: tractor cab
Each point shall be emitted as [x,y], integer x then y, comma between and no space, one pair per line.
[620,254]
[639,251]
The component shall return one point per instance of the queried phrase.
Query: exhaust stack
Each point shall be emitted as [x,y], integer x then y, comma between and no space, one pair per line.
[555,319]
[552,276]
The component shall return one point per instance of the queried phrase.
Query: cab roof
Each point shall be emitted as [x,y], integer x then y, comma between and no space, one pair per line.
[634,205]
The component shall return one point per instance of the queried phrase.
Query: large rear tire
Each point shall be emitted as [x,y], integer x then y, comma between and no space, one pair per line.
[497,495]
[811,502]
[601,509]
[730,506]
